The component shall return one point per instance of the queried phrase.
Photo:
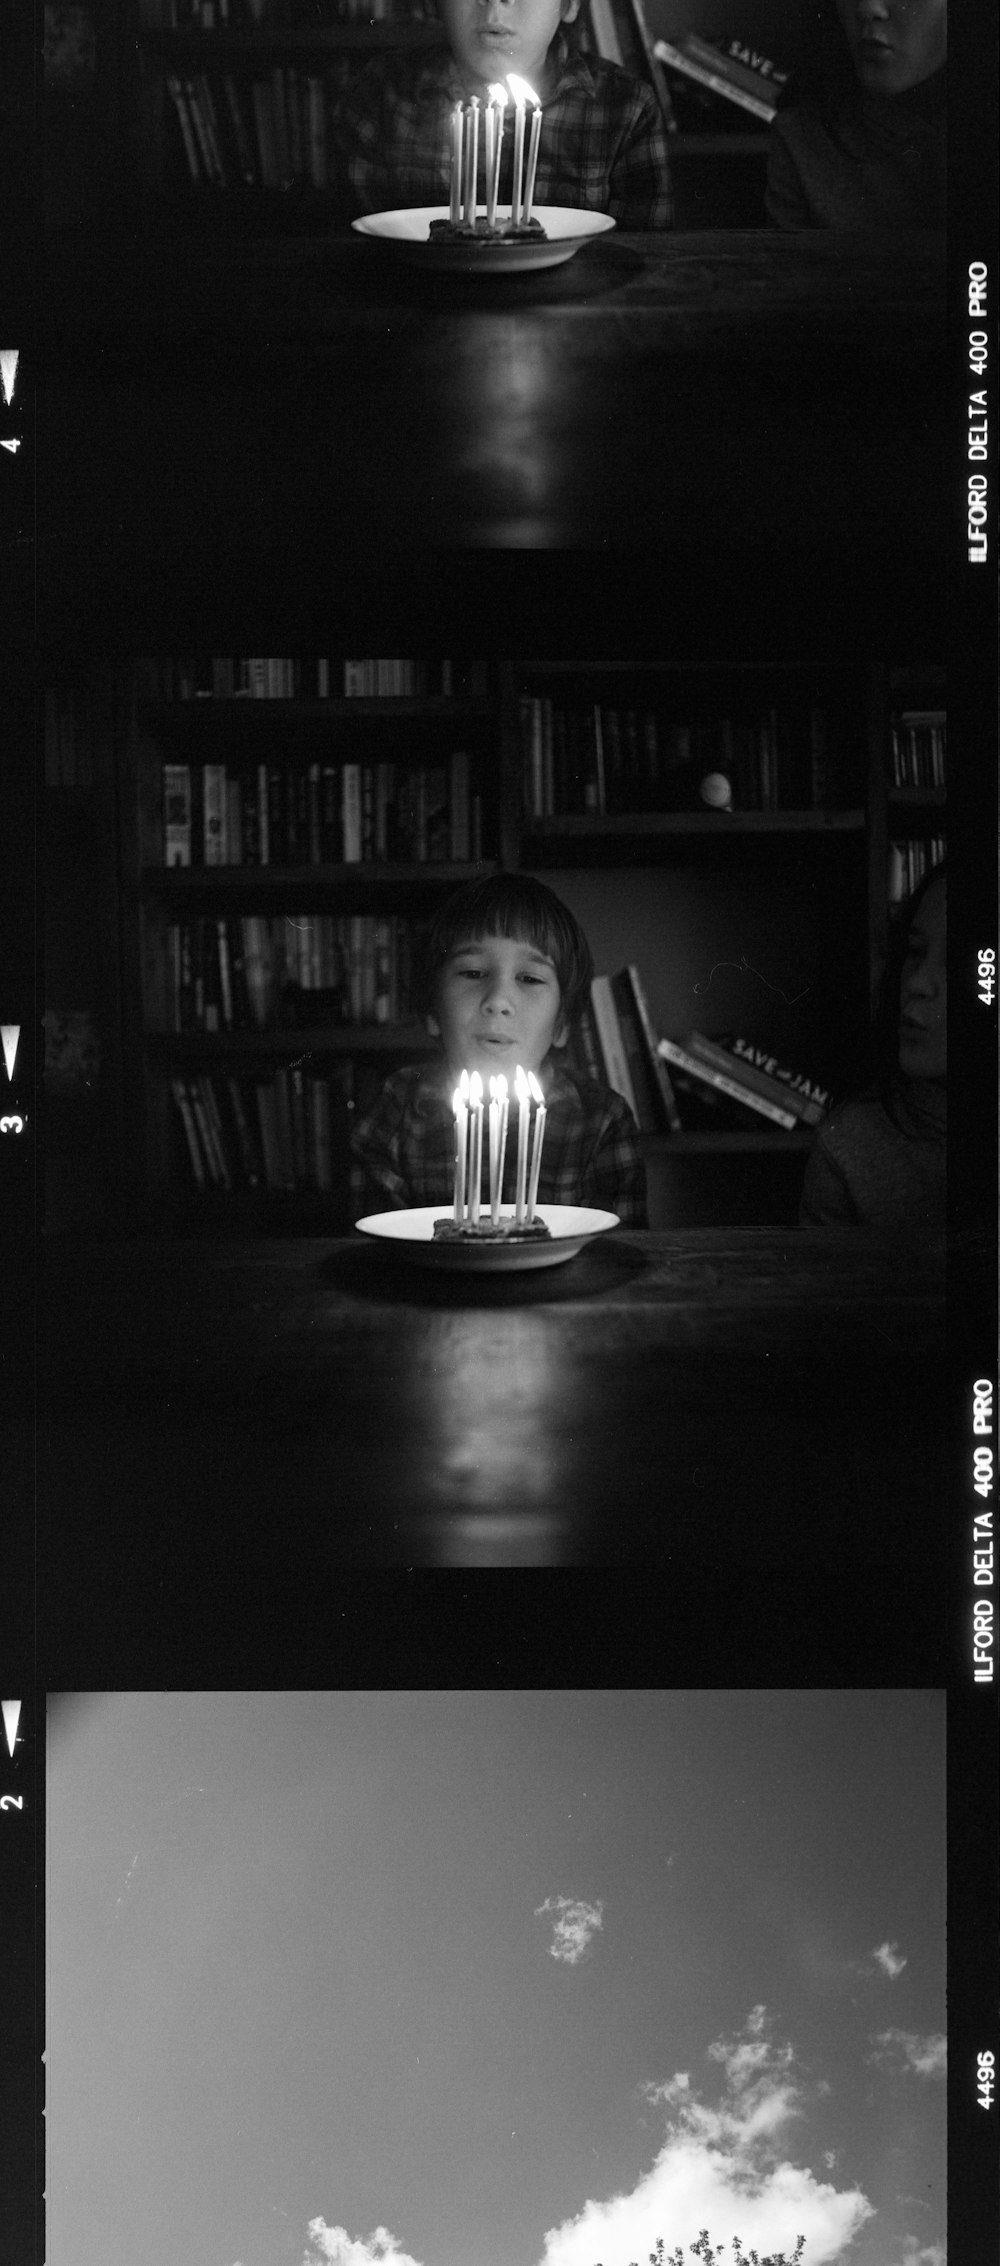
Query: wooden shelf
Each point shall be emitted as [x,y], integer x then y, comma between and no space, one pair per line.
[192,715]
[726,1144]
[714,823]
[264,40]
[241,884]
[202,1049]
[917,798]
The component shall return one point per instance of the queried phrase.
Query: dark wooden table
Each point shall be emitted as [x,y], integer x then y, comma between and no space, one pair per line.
[245,409]
[714,1399]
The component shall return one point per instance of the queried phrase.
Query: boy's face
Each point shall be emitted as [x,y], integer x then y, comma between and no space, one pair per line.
[895,43]
[491,37]
[497,1004]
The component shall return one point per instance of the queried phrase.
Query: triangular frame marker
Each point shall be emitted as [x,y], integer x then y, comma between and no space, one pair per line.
[8,370]
[10,1033]
[11,1712]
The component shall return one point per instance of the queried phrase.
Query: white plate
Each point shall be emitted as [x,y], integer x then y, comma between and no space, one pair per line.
[411,1235]
[408,235]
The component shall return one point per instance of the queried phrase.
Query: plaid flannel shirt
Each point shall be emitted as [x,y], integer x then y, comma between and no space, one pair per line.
[404,1149]
[603,144]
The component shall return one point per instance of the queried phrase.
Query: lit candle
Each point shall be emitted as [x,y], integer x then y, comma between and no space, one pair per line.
[494,1152]
[460,1105]
[456,164]
[472,159]
[475,1146]
[516,86]
[494,145]
[529,183]
[536,1153]
[502,1099]
[498,1143]
[523,1092]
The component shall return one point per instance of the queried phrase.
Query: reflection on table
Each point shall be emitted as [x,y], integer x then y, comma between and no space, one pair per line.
[709,1398]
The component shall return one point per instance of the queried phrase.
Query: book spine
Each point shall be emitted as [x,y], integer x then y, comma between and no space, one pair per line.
[657,1066]
[612,1048]
[644,1105]
[177,813]
[724,1084]
[250,1159]
[352,811]
[180,1094]
[215,814]
[707,75]
[459,807]
[792,1092]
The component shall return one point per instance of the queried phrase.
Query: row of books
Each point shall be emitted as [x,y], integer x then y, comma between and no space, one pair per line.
[290,15]
[287,1132]
[619,1044]
[224,678]
[603,759]
[737,72]
[68,739]
[909,861]
[290,814]
[270,131]
[292,971]
[919,748]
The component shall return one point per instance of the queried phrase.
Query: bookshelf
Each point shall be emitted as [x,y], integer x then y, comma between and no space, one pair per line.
[771,923]
[236,98]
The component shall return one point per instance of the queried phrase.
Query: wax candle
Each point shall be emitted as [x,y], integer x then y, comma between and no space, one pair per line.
[471,158]
[494,146]
[457,118]
[536,1153]
[459,1103]
[523,1092]
[502,1100]
[498,1143]
[475,1146]
[515,86]
[529,179]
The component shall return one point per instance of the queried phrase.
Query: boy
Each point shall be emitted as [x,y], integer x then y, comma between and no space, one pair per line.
[507,971]
[603,145]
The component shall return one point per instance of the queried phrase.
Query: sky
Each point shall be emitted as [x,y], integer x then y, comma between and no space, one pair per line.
[494,1978]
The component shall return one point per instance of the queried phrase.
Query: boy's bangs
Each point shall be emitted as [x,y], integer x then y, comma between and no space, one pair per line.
[520,924]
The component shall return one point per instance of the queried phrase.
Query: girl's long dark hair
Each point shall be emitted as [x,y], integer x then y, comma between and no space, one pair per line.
[884,1045]
[824,74]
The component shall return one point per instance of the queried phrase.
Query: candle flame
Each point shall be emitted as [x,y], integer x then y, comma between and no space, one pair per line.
[501,1086]
[475,1089]
[521,1086]
[498,94]
[464,1087]
[536,1091]
[521,91]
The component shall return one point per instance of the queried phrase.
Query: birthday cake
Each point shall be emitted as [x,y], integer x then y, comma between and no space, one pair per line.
[505,1231]
[485,231]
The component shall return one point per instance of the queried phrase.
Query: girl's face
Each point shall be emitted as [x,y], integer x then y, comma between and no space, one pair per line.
[923,997]
[895,43]
[497,1004]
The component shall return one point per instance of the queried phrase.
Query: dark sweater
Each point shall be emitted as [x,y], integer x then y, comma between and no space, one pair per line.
[868,1170]
[872,161]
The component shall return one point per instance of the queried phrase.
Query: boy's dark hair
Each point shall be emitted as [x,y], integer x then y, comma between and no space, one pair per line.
[515,905]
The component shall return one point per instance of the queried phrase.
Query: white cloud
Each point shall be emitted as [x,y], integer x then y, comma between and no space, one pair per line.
[335,2245]
[891,1960]
[573,1926]
[721,2167]
[902,2049]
